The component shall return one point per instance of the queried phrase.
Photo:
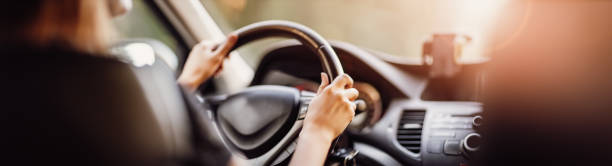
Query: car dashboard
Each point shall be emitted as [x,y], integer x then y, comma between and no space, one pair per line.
[408,121]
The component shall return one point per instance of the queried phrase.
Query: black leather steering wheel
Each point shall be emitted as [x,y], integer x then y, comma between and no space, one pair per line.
[320,47]
[263,122]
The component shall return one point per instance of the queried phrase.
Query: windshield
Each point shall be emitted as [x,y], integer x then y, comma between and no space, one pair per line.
[396,27]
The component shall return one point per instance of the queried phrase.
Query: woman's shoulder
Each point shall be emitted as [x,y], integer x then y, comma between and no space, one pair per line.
[54,54]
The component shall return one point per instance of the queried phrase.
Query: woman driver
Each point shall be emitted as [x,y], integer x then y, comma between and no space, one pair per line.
[71,28]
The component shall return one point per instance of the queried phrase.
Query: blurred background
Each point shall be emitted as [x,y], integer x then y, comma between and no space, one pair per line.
[396,27]
[143,22]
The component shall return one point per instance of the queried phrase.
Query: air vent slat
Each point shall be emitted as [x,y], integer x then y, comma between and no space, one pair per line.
[412,148]
[410,142]
[403,137]
[410,129]
[412,116]
[405,131]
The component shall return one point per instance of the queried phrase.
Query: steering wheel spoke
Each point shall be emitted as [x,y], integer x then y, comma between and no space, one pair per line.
[281,151]
[305,99]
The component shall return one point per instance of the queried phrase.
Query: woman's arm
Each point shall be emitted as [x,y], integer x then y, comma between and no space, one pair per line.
[328,115]
[311,149]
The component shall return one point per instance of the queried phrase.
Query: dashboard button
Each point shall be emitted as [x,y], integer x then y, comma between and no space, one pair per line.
[471,144]
[451,147]
[477,121]
[435,147]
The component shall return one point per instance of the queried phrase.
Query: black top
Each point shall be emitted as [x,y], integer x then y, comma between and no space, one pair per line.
[64,106]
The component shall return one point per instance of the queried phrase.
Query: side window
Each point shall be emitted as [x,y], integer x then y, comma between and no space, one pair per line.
[143,22]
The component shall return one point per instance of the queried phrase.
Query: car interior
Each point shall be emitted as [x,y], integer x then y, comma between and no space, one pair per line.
[464,83]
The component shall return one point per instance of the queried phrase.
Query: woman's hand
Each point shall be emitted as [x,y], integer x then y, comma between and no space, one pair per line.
[328,115]
[332,109]
[204,61]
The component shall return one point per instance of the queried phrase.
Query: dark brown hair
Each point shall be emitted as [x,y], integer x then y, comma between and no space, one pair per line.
[82,24]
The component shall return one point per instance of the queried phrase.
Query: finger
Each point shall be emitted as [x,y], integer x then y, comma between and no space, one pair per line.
[352,106]
[204,45]
[351,94]
[226,47]
[344,81]
[324,82]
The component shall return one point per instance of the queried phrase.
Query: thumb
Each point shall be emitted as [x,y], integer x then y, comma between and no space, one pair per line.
[224,48]
[324,82]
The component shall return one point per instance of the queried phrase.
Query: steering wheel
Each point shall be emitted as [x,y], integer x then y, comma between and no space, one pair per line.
[263,122]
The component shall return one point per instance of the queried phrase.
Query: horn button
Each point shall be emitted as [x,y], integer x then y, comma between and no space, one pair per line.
[255,119]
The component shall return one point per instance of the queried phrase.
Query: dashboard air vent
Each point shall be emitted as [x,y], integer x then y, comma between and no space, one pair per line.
[410,128]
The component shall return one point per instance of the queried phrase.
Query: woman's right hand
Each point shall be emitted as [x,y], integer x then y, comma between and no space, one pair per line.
[328,115]
[332,109]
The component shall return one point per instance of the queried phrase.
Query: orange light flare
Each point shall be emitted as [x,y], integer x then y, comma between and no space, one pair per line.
[561,57]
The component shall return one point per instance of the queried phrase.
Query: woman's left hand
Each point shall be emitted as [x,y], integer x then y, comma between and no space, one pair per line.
[204,61]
